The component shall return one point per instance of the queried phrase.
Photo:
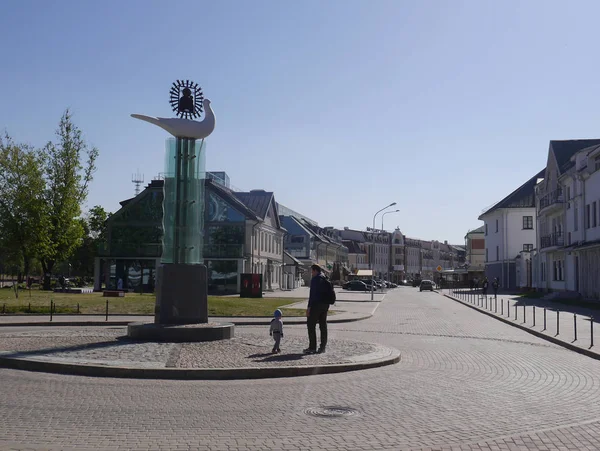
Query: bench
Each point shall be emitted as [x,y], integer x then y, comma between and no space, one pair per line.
[113,294]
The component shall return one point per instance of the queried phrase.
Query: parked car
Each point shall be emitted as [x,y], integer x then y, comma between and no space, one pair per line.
[426,285]
[392,285]
[355,285]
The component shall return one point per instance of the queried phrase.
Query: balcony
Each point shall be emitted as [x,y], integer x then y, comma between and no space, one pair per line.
[223,251]
[555,239]
[552,199]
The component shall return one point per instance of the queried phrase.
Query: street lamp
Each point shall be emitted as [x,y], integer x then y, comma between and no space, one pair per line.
[387,213]
[373,246]
[390,256]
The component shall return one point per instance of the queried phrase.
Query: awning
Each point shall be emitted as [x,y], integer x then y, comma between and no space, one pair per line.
[365,273]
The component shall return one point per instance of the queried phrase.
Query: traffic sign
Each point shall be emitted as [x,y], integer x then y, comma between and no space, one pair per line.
[439,268]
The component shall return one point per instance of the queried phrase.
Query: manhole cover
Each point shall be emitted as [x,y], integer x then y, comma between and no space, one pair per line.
[331,411]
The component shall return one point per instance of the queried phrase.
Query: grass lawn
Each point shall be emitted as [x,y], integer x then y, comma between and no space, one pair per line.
[38,301]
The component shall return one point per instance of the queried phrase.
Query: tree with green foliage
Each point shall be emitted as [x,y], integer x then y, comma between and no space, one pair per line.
[23,222]
[94,227]
[67,182]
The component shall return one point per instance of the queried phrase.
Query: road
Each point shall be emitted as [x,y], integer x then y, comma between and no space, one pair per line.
[466,381]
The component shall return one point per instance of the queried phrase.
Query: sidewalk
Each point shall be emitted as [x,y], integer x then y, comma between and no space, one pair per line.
[573,329]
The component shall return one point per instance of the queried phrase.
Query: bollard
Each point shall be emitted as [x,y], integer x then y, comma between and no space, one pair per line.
[591,331]
[78,308]
[557,321]
[544,319]
[516,312]
[486,302]
[534,316]
[524,314]
[501,307]
[575,326]
[106,310]
[51,305]
[495,305]
[508,308]
[29,310]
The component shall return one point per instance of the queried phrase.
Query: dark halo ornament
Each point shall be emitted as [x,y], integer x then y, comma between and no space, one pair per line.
[186,99]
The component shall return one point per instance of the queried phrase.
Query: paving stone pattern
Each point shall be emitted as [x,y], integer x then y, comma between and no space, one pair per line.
[466,382]
[251,348]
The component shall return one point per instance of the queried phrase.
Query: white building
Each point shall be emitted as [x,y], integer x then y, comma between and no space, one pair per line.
[396,271]
[509,229]
[413,259]
[568,202]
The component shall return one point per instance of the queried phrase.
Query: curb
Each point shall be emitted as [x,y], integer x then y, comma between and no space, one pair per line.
[230,319]
[194,374]
[538,334]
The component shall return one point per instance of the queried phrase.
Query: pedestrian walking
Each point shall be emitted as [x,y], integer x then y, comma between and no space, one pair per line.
[321,297]
[495,286]
[276,330]
[485,286]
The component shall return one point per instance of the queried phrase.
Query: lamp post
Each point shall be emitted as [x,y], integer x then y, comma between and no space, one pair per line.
[387,213]
[373,246]
[390,247]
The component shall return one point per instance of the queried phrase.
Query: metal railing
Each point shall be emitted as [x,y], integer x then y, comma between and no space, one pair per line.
[554,239]
[223,251]
[553,197]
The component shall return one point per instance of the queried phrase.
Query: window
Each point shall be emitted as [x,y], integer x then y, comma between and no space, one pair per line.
[543,271]
[569,239]
[555,269]
[486,229]
[297,239]
[594,215]
[496,226]
[587,216]
[568,193]
[486,255]
[528,222]
[497,253]
[528,247]
[576,219]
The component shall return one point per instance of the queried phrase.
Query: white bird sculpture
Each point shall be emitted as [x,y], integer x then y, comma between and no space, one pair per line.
[184,128]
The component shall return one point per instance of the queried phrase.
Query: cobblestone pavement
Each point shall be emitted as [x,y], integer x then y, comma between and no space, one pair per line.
[107,346]
[466,382]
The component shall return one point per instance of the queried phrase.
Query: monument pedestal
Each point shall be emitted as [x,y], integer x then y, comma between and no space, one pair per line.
[181,311]
[181,294]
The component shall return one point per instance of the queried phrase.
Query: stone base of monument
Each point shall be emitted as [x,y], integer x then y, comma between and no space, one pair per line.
[180,333]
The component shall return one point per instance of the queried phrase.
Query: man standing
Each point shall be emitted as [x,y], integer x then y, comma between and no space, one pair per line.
[318,306]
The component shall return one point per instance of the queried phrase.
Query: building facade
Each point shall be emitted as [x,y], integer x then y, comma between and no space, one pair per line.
[568,201]
[509,228]
[242,233]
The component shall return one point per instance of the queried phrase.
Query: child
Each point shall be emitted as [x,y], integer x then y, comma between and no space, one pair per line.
[276,331]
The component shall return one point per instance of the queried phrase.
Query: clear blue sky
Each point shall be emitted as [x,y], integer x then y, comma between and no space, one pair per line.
[339,107]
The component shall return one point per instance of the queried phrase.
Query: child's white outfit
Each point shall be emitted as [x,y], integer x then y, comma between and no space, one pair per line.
[276,331]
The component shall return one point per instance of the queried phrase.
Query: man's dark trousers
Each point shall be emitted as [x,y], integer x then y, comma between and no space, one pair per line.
[318,314]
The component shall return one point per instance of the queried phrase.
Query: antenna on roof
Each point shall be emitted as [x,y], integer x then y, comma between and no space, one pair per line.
[137,179]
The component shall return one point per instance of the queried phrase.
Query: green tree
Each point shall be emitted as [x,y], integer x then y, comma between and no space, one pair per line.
[67,182]
[23,223]
[94,227]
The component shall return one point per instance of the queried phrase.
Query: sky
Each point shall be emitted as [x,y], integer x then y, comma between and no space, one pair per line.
[338,107]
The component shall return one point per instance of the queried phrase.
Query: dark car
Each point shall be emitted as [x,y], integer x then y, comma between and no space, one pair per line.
[416,282]
[426,285]
[355,285]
